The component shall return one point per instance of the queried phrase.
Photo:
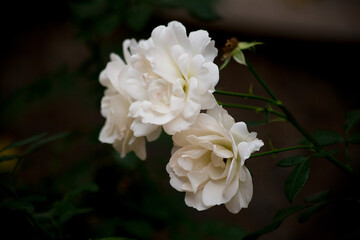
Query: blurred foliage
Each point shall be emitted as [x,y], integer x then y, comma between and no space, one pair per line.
[69,185]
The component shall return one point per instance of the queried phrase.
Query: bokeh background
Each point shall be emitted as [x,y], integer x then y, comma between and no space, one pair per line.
[78,188]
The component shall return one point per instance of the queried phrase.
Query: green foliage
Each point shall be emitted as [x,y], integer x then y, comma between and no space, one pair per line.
[279,217]
[291,161]
[101,17]
[351,120]
[297,179]
[325,138]
[354,139]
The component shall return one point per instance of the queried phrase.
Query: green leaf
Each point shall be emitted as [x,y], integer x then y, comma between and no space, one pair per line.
[354,139]
[226,62]
[24,142]
[325,137]
[18,205]
[8,157]
[239,57]
[90,187]
[290,161]
[351,120]
[318,197]
[38,144]
[248,45]
[307,213]
[296,180]
[279,217]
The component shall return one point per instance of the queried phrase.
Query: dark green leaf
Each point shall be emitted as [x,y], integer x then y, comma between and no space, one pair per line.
[24,142]
[320,196]
[351,119]
[296,180]
[307,213]
[325,153]
[290,161]
[354,139]
[18,205]
[279,217]
[91,187]
[38,144]
[325,137]
[8,157]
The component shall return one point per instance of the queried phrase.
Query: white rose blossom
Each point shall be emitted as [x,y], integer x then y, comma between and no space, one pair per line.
[171,79]
[115,108]
[208,162]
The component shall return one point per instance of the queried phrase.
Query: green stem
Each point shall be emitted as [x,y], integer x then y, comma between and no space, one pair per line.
[297,125]
[281,150]
[248,107]
[272,95]
[245,95]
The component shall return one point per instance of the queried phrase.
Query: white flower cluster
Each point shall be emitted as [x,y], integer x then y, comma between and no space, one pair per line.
[164,83]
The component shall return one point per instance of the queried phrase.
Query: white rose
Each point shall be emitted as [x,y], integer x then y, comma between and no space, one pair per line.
[172,77]
[115,108]
[208,162]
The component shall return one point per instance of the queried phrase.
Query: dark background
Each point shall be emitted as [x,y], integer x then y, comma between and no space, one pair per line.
[52,54]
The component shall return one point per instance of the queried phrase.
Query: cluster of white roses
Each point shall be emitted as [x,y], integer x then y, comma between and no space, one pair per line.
[164,83]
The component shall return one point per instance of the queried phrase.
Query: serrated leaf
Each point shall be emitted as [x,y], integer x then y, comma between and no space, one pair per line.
[307,213]
[354,139]
[351,120]
[239,57]
[290,161]
[24,142]
[297,179]
[248,45]
[279,217]
[320,196]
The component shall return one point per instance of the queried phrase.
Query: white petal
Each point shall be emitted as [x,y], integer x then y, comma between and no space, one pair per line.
[141,129]
[201,44]
[176,125]
[185,163]
[155,134]
[213,192]
[175,181]
[197,178]
[232,171]
[239,131]
[139,147]
[195,200]
[243,197]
